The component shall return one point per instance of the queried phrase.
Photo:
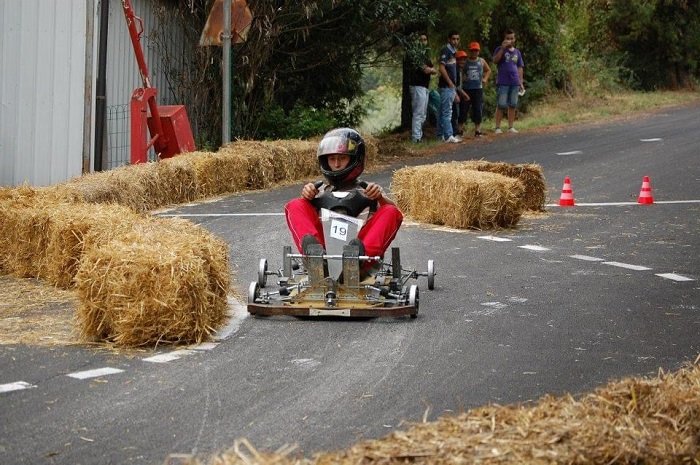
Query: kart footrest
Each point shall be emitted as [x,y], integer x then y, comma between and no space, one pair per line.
[351,266]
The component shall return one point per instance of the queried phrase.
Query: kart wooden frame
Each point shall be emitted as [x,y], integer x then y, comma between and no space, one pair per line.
[306,289]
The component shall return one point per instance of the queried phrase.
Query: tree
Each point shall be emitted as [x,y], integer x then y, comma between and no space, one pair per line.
[311,53]
[657,40]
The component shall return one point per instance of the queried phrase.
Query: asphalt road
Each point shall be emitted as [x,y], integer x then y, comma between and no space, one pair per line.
[563,306]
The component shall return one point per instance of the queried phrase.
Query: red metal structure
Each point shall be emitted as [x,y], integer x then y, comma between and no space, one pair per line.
[168,125]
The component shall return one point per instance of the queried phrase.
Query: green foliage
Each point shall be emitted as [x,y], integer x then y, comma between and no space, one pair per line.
[300,123]
[304,66]
[311,54]
[654,41]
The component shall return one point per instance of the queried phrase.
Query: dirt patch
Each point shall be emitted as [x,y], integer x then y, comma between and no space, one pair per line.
[35,313]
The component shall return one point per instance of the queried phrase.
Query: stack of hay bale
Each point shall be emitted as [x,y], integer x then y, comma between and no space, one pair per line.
[469,195]
[142,280]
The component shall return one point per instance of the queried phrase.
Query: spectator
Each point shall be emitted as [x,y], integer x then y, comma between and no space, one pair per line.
[421,69]
[476,74]
[509,82]
[459,107]
[447,88]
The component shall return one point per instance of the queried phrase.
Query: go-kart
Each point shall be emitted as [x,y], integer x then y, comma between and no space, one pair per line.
[339,282]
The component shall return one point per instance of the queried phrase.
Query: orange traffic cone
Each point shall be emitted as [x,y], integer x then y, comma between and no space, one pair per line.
[567,194]
[645,196]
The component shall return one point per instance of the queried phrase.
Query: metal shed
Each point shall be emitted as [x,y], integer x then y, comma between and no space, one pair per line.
[48,59]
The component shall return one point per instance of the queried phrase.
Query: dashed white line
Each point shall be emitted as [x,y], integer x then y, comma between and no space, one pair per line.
[16,386]
[169,357]
[653,139]
[573,152]
[495,239]
[536,248]
[497,305]
[627,266]
[674,277]
[94,373]
[587,258]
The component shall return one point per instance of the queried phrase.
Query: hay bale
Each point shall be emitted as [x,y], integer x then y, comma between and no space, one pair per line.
[452,195]
[143,187]
[283,161]
[163,281]
[24,236]
[214,173]
[267,165]
[530,174]
[74,229]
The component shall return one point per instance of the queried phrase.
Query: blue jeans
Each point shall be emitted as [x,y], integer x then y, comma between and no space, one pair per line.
[444,126]
[507,96]
[419,106]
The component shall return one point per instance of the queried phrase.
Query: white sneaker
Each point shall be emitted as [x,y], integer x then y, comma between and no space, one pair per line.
[453,140]
[498,131]
[513,130]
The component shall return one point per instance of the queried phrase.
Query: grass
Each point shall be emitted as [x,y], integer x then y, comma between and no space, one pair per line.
[558,110]
[555,111]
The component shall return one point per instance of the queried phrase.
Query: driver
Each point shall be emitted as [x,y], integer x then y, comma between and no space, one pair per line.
[341,158]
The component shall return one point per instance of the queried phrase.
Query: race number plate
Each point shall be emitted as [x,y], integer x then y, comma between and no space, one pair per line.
[339,230]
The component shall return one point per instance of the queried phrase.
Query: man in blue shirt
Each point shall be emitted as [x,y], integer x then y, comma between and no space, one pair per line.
[447,88]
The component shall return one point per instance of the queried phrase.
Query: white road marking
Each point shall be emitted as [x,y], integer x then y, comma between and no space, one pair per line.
[622,204]
[537,248]
[674,277]
[653,139]
[205,346]
[16,386]
[495,239]
[494,304]
[238,312]
[169,357]
[587,258]
[573,152]
[94,373]
[627,266]
[220,214]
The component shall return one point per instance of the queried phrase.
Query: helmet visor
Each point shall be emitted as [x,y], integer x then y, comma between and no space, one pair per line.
[336,144]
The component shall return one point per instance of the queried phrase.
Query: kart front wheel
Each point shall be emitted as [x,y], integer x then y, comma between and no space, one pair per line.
[413,296]
[253,292]
[262,272]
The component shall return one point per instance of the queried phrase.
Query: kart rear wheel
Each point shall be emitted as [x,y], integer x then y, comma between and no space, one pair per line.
[262,272]
[431,274]
[253,292]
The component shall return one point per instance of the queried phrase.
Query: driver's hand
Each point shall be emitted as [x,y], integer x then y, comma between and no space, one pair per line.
[374,191]
[309,191]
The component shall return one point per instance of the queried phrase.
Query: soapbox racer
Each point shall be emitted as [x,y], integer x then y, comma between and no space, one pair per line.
[337,282]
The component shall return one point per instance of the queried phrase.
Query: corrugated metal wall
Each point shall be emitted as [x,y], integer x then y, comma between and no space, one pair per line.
[45,47]
[42,84]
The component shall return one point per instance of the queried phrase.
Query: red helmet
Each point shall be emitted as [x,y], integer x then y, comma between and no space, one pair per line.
[344,141]
[460,54]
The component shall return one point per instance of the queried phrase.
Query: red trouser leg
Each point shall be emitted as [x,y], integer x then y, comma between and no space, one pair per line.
[380,230]
[302,219]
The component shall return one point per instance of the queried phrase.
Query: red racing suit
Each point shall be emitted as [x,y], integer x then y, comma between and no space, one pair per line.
[376,234]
